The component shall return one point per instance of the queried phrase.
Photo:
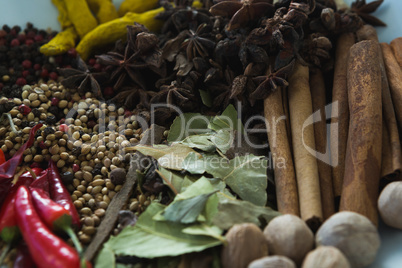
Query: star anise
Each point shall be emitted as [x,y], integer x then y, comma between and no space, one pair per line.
[271,82]
[179,93]
[197,42]
[132,97]
[141,53]
[361,8]
[82,78]
[241,12]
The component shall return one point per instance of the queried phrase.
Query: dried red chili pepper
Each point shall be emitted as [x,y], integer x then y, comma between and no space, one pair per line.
[42,182]
[8,168]
[9,231]
[54,215]
[60,194]
[46,249]
[2,157]
[23,258]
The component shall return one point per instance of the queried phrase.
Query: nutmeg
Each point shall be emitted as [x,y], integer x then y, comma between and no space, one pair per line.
[325,257]
[273,262]
[353,234]
[289,236]
[245,243]
[118,176]
[390,204]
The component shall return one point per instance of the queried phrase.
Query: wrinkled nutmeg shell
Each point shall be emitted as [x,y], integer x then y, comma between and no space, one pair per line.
[390,204]
[289,236]
[353,234]
[273,262]
[118,176]
[325,257]
[245,243]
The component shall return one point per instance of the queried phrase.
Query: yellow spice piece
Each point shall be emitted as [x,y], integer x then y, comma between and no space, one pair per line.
[81,16]
[136,6]
[104,10]
[197,4]
[61,43]
[109,32]
[63,17]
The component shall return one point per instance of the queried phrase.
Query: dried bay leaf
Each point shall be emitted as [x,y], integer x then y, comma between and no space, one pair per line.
[152,239]
[204,229]
[245,175]
[186,210]
[223,140]
[202,142]
[188,124]
[231,212]
[174,180]
[228,121]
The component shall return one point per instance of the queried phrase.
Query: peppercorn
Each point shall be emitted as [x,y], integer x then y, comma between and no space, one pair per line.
[51,120]
[67,177]
[118,176]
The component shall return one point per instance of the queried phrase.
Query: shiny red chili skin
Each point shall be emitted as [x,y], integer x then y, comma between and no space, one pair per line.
[42,181]
[59,193]
[46,249]
[8,168]
[9,231]
[55,216]
[2,157]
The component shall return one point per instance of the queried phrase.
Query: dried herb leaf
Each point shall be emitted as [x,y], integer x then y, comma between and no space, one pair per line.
[231,212]
[227,121]
[188,124]
[152,239]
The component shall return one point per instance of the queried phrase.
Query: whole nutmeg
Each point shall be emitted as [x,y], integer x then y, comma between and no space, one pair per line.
[273,262]
[325,257]
[390,204]
[353,234]
[118,176]
[289,236]
[245,243]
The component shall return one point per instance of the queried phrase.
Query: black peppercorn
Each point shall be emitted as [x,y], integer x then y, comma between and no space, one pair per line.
[36,112]
[118,176]
[51,120]
[67,177]
[48,131]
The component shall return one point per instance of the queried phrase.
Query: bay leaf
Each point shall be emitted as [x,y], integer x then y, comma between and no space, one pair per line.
[188,124]
[203,229]
[193,164]
[205,98]
[202,142]
[152,239]
[228,120]
[186,210]
[223,140]
[245,175]
[105,258]
[231,212]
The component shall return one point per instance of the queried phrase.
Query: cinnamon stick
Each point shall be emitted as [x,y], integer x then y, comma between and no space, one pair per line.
[300,110]
[396,46]
[363,154]
[317,87]
[285,180]
[394,75]
[391,146]
[339,134]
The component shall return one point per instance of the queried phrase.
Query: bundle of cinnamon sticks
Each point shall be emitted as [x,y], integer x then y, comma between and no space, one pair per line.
[339,167]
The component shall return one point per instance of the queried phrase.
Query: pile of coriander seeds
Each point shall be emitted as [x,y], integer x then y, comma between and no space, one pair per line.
[84,137]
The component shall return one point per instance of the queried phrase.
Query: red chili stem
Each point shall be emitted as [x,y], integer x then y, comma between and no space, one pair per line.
[54,215]
[47,249]
[59,193]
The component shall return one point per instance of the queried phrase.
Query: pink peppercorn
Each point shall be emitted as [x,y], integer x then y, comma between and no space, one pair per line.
[44,73]
[24,109]
[15,43]
[53,76]
[37,67]
[26,64]
[63,127]
[55,101]
[76,167]
[29,42]
[21,81]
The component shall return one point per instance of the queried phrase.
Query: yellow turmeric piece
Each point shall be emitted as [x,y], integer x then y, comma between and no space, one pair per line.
[81,16]
[136,6]
[61,43]
[104,10]
[109,32]
[63,17]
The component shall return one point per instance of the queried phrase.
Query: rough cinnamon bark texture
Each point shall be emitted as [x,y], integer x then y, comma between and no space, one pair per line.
[396,46]
[300,110]
[285,179]
[391,146]
[339,134]
[363,155]
[317,87]
[394,75]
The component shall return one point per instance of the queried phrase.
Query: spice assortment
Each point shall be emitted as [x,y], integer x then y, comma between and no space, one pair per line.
[78,161]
